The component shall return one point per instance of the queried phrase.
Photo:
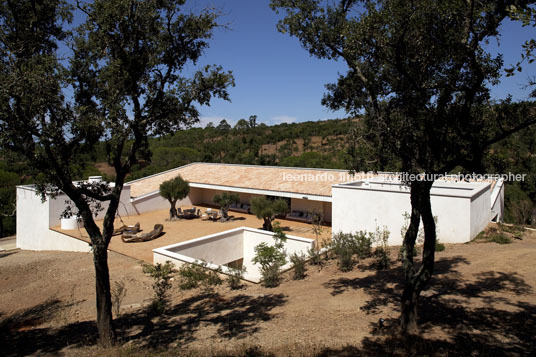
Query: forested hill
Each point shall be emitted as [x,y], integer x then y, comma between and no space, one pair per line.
[307,144]
[320,144]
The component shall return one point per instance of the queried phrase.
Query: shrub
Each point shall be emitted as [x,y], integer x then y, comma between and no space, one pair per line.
[197,275]
[118,292]
[315,256]
[439,247]
[363,244]
[381,237]
[234,279]
[499,237]
[343,247]
[298,264]
[162,274]
[271,258]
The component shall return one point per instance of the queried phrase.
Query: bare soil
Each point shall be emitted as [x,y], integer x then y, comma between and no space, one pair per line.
[481,301]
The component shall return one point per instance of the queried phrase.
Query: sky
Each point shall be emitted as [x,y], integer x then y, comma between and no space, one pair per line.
[277,80]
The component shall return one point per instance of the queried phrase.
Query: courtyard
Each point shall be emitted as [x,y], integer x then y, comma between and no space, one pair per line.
[186,229]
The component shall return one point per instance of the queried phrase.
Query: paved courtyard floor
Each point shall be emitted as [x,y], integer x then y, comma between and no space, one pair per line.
[184,229]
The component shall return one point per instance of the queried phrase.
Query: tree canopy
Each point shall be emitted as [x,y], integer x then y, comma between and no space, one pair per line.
[266,210]
[119,82]
[420,74]
[174,190]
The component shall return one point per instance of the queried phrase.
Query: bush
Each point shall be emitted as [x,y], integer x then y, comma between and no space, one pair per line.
[234,279]
[381,237]
[363,244]
[197,275]
[271,258]
[118,293]
[298,264]
[162,274]
[343,247]
[439,247]
[499,237]
[315,256]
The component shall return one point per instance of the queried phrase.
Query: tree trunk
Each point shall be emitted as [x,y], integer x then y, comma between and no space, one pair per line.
[416,280]
[224,214]
[103,294]
[173,211]
[267,225]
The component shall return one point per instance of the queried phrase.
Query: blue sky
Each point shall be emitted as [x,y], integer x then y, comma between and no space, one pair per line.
[277,80]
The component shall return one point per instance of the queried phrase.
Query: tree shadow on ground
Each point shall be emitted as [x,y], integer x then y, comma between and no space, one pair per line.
[473,315]
[233,317]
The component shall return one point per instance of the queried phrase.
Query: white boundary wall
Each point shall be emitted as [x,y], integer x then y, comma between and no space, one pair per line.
[225,247]
[463,209]
[35,218]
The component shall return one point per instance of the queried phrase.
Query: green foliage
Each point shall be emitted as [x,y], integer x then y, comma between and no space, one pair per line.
[174,190]
[271,258]
[8,181]
[439,247]
[193,276]
[234,278]
[343,247]
[267,210]
[381,253]
[298,265]
[314,256]
[225,200]
[161,274]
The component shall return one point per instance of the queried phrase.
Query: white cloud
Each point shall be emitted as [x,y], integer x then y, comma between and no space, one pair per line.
[283,119]
[203,121]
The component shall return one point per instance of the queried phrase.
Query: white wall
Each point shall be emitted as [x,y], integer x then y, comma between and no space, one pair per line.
[480,212]
[254,237]
[57,206]
[33,219]
[359,208]
[228,246]
[221,248]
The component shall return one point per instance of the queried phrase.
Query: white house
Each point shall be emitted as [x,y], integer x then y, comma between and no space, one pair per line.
[349,203]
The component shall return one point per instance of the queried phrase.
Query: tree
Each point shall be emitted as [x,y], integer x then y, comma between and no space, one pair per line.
[241,125]
[527,16]
[118,82]
[174,190]
[223,125]
[8,180]
[419,72]
[266,210]
[252,121]
[225,200]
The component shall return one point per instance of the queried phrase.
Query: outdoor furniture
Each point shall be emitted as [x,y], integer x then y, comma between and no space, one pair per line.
[239,207]
[143,237]
[299,216]
[214,215]
[124,228]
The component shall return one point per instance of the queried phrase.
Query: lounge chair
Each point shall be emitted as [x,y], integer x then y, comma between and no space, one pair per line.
[124,228]
[143,237]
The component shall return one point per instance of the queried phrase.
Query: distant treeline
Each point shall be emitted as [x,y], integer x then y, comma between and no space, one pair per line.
[320,144]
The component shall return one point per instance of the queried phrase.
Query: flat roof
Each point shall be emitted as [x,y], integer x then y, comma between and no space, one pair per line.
[297,180]
[305,181]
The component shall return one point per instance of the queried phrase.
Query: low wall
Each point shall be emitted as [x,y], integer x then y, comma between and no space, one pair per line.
[225,247]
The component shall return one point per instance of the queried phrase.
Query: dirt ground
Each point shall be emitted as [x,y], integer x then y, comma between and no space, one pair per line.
[481,301]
